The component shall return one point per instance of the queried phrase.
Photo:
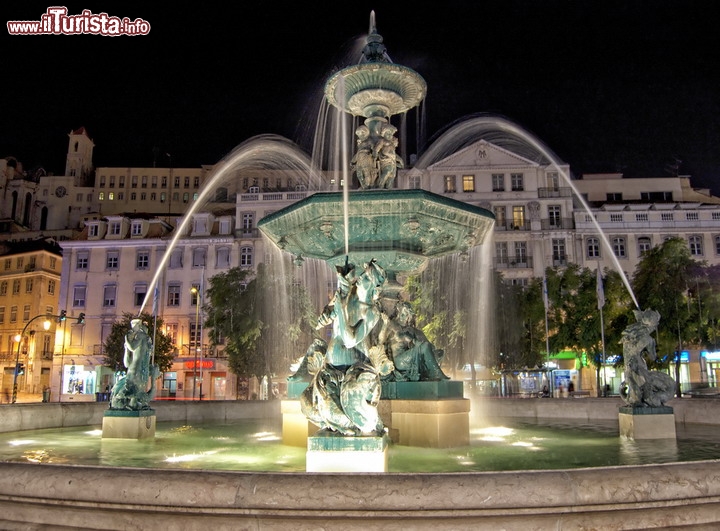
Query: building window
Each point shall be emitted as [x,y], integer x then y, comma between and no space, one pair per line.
[717,250]
[468,183]
[2,314]
[554,215]
[137,228]
[143,196]
[163,181]
[593,248]
[246,257]
[517,182]
[82,260]
[199,256]
[222,259]
[173,295]
[644,245]
[121,181]
[16,286]
[553,182]
[414,182]
[176,181]
[696,246]
[176,259]
[171,331]
[101,196]
[186,197]
[558,250]
[518,214]
[225,226]
[248,220]
[4,286]
[20,262]
[153,196]
[8,263]
[28,285]
[613,197]
[501,253]
[521,252]
[134,181]
[187,182]
[133,196]
[163,197]
[450,184]
[618,245]
[26,313]
[109,294]
[196,182]
[153,182]
[500,218]
[139,293]
[111,196]
[144,181]
[115,228]
[93,231]
[142,260]
[112,260]
[498,182]
[13,314]
[51,287]
[194,294]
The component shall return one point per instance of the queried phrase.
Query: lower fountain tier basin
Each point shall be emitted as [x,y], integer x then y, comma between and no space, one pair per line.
[401,229]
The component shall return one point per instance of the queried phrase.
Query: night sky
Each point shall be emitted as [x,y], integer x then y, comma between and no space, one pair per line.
[628,86]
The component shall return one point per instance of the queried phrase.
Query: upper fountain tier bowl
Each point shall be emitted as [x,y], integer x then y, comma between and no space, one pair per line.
[401,229]
[372,89]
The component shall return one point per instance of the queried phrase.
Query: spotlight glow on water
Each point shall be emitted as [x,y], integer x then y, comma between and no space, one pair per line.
[255,446]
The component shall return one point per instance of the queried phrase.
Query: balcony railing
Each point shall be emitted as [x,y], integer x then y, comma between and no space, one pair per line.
[557,223]
[510,262]
[555,192]
[512,225]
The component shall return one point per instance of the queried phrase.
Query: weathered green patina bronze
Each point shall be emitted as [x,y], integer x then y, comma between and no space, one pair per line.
[643,387]
[392,233]
[131,391]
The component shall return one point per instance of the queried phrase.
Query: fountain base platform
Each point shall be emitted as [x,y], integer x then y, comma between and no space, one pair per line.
[422,414]
[332,452]
[647,422]
[122,424]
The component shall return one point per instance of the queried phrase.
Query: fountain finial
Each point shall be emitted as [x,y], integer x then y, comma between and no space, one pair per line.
[374,51]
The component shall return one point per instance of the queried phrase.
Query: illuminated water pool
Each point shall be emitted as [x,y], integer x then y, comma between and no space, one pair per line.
[256,445]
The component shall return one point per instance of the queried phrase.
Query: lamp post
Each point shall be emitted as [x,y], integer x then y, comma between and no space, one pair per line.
[196,293]
[18,338]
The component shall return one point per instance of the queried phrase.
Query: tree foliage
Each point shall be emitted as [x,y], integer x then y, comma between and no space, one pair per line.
[265,320]
[114,346]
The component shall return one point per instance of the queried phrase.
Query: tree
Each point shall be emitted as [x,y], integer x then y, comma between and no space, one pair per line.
[265,320]
[114,346]
[661,283]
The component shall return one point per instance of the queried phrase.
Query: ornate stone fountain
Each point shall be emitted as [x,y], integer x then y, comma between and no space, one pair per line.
[372,237]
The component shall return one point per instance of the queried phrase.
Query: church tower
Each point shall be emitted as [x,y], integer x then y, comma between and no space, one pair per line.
[79,156]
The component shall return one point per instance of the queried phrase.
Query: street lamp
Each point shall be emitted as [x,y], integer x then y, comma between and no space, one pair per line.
[18,338]
[195,290]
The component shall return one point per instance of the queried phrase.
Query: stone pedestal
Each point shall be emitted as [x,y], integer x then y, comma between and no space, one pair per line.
[647,422]
[427,414]
[295,426]
[123,424]
[331,452]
